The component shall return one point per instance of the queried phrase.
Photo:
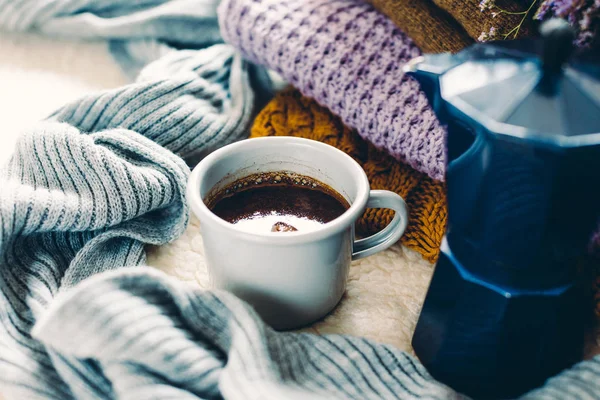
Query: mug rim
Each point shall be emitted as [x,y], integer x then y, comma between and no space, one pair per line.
[344,221]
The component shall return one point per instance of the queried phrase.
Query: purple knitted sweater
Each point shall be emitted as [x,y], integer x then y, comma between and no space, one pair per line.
[348,57]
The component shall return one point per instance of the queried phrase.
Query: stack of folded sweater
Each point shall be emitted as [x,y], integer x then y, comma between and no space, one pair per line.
[348,57]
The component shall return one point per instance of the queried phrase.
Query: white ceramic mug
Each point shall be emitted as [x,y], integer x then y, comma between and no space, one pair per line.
[292,278]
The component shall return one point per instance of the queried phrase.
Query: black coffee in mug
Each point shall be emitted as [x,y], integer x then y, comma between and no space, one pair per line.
[278,202]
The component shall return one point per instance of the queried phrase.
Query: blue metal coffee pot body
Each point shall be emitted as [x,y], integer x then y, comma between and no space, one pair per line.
[504,308]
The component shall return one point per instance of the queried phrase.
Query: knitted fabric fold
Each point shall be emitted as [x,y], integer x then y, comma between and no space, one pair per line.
[348,57]
[438,26]
[88,188]
[191,102]
[430,27]
[139,32]
[291,114]
[154,337]
[72,205]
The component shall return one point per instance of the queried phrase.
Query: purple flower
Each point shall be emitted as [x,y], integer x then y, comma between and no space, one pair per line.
[583,15]
[490,35]
[486,5]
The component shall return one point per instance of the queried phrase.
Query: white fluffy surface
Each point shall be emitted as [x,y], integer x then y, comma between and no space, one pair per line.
[38,75]
[382,301]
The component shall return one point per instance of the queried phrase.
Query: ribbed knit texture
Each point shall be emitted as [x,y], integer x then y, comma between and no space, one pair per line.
[72,205]
[291,114]
[348,57]
[87,189]
[191,102]
[154,337]
[430,27]
[139,31]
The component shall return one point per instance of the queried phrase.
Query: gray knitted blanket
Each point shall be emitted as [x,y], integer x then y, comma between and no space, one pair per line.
[102,177]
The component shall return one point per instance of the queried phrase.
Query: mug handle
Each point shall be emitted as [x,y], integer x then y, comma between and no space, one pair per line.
[391,233]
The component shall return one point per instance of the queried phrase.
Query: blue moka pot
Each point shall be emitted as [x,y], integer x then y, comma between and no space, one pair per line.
[504,309]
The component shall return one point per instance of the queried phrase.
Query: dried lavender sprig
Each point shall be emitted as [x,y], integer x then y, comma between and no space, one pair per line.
[583,15]
[490,5]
